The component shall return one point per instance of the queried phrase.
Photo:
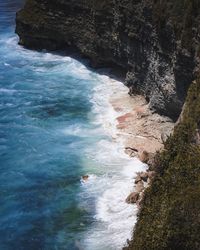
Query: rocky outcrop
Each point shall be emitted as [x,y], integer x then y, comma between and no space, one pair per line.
[142,181]
[132,198]
[169,217]
[155,42]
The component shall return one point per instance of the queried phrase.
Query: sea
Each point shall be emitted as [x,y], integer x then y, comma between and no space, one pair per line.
[56,125]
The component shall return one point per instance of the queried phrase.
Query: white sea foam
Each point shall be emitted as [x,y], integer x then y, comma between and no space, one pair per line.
[76,130]
[7,64]
[105,191]
[114,218]
[8,91]
[102,108]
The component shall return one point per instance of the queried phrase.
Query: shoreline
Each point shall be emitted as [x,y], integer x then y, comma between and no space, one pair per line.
[142,133]
[115,172]
[122,118]
[140,129]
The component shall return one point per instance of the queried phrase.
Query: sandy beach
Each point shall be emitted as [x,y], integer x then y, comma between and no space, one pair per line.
[141,129]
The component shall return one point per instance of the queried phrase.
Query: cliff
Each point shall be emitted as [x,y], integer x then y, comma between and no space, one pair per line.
[170,214]
[155,42]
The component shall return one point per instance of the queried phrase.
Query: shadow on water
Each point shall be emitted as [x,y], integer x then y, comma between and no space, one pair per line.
[68,107]
[111,70]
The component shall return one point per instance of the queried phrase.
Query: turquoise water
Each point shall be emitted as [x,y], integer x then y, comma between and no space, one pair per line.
[54,128]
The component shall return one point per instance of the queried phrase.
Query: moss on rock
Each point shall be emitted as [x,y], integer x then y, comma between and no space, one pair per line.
[170,214]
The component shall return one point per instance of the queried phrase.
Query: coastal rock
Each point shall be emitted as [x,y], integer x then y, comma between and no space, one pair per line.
[132,198]
[144,156]
[144,176]
[151,176]
[132,152]
[85,177]
[137,179]
[139,187]
[144,40]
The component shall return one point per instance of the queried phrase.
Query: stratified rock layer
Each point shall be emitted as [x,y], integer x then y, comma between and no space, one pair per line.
[155,42]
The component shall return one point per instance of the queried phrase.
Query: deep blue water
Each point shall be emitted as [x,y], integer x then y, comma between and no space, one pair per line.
[51,133]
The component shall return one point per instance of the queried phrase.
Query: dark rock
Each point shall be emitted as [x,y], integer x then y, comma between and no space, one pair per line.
[144,176]
[85,177]
[151,45]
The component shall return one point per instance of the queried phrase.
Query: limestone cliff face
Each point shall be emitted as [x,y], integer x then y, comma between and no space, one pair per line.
[155,42]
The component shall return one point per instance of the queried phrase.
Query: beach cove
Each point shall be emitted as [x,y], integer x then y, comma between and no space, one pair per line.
[61,120]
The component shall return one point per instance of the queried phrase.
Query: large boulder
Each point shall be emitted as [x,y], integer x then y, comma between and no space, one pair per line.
[132,198]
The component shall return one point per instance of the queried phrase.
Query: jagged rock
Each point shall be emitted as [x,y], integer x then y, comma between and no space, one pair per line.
[132,198]
[137,179]
[85,177]
[144,176]
[132,152]
[151,175]
[139,187]
[127,35]
[144,156]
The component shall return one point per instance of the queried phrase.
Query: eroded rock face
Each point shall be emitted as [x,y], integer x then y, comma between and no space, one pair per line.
[141,37]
